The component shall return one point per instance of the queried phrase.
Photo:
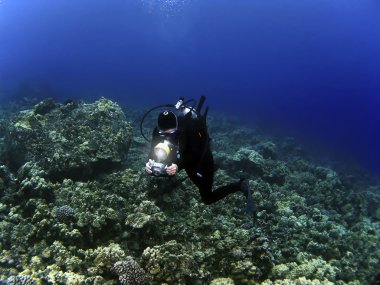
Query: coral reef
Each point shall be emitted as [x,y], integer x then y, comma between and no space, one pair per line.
[222,281]
[64,213]
[130,272]
[70,140]
[20,280]
[169,262]
[77,208]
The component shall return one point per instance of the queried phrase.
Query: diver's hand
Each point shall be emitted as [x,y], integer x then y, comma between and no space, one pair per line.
[148,168]
[172,169]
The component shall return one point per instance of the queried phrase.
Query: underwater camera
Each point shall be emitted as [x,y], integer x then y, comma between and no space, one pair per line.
[158,169]
[162,152]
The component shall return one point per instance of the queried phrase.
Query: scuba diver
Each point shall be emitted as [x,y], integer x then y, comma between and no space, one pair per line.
[181,141]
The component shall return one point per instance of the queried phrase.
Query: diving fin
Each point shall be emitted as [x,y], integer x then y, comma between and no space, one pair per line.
[251,207]
[205,114]
[200,104]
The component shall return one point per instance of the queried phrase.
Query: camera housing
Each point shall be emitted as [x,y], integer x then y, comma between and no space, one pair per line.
[158,169]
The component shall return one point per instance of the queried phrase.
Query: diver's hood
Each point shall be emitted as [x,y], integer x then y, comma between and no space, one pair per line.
[179,106]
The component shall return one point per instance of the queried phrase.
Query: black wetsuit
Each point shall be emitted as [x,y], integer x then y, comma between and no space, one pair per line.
[196,158]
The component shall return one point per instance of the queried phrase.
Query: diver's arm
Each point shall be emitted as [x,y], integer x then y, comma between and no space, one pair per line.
[154,141]
[151,152]
[172,169]
[148,167]
[188,157]
[180,160]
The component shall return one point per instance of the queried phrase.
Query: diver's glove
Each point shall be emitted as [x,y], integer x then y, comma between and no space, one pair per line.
[244,186]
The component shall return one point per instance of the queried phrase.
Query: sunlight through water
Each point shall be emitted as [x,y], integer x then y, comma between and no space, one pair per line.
[166,7]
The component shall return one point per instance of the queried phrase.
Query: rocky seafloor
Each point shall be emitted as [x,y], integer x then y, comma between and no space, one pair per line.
[77,208]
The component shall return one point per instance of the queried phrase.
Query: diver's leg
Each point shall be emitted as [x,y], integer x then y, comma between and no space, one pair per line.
[224,191]
[204,179]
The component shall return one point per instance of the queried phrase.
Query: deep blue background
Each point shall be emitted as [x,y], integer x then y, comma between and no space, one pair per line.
[305,68]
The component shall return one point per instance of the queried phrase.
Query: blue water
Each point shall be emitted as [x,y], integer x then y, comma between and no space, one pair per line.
[304,68]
